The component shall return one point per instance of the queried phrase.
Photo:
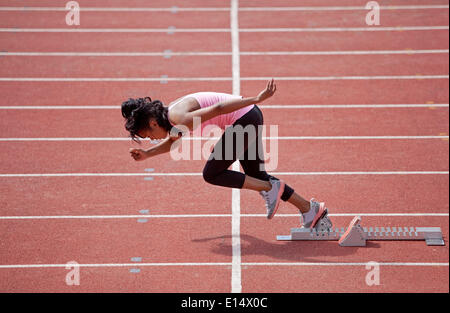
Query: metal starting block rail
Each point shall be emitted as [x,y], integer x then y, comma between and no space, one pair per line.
[356,236]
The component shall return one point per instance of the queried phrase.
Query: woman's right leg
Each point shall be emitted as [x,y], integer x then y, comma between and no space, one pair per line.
[258,179]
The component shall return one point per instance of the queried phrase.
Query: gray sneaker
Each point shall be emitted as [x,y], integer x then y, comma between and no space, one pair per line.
[317,212]
[273,197]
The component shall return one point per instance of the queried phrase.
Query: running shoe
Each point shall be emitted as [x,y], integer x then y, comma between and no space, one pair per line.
[273,197]
[317,211]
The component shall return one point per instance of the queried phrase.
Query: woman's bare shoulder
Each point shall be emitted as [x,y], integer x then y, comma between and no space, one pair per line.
[184,105]
[181,106]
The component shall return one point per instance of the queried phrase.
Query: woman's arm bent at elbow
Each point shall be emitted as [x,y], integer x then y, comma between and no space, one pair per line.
[161,148]
[225,107]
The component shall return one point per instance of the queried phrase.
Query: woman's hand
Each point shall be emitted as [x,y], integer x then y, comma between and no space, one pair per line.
[268,92]
[138,154]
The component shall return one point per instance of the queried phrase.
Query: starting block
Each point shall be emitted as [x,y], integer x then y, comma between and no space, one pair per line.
[356,236]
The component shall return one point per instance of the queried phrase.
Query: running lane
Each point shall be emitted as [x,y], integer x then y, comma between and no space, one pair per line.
[118,42]
[328,3]
[114,67]
[396,91]
[196,66]
[259,245]
[341,18]
[118,3]
[67,196]
[118,241]
[87,123]
[101,93]
[310,156]
[104,20]
[344,41]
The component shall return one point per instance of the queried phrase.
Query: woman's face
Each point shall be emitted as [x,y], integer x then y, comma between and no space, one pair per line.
[154,131]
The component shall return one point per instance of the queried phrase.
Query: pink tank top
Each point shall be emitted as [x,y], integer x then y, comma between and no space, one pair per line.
[207,99]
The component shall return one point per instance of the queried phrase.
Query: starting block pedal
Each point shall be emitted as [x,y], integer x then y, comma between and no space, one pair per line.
[356,236]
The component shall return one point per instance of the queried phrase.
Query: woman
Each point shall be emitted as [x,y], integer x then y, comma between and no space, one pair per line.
[150,119]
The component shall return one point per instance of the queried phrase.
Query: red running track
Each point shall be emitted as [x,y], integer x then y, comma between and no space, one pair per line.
[180,226]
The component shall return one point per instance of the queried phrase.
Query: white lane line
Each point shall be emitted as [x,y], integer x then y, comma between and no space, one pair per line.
[286,106]
[113,79]
[31,266]
[163,216]
[351,106]
[136,54]
[342,29]
[362,173]
[219,9]
[342,264]
[4,175]
[249,53]
[264,138]
[215,79]
[112,265]
[172,9]
[221,30]
[236,270]
[315,78]
[114,30]
[217,138]
[343,8]
[61,107]
[372,52]
[360,214]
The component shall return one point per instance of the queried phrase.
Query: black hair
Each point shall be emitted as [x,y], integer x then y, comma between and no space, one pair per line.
[138,112]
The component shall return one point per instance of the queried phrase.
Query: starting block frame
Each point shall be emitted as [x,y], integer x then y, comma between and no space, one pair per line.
[356,236]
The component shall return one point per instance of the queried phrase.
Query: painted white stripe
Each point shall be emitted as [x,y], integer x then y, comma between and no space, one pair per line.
[286,106]
[113,79]
[352,106]
[162,216]
[360,214]
[114,30]
[385,77]
[191,79]
[243,9]
[30,266]
[236,276]
[354,137]
[344,8]
[221,30]
[248,9]
[112,265]
[200,174]
[172,9]
[343,264]
[217,138]
[342,29]
[250,53]
[345,52]
[124,54]
[363,173]
[61,107]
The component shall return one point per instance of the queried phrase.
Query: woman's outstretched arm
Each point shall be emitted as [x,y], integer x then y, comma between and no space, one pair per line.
[225,107]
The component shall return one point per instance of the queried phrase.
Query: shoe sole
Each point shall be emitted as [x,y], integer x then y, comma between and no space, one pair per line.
[280,192]
[321,214]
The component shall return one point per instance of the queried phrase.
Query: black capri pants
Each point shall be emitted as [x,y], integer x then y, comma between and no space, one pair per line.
[248,151]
